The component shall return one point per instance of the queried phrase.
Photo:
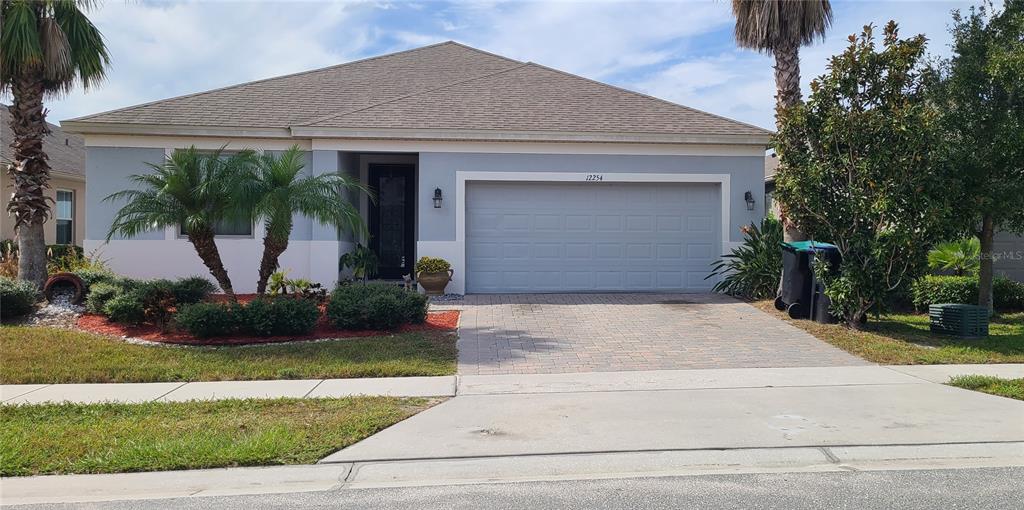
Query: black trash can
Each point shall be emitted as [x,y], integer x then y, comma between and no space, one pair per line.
[799,297]
[823,253]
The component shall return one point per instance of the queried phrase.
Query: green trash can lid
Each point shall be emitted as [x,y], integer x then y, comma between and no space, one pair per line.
[810,246]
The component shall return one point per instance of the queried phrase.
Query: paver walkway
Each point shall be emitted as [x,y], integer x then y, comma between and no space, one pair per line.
[556,333]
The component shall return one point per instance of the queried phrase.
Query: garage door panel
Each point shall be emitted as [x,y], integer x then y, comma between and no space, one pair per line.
[552,237]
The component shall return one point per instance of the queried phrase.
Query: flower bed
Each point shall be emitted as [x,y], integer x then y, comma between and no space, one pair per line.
[436,321]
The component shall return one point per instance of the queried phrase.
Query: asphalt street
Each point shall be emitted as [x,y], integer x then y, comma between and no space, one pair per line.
[976,489]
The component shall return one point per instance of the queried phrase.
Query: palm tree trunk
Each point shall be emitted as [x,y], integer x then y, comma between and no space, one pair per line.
[985,269]
[787,86]
[272,250]
[30,173]
[787,77]
[206,248]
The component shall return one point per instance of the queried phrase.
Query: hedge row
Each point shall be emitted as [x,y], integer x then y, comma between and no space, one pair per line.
[130,301]
[353,307]
[279,316]
[1006,294]
[375,306]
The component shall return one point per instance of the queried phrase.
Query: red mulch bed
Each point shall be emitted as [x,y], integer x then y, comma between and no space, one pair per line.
[436,321]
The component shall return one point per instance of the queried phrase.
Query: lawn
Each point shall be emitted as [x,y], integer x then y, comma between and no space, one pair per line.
[1011,388]
[48,355]
[904,339]
[113,438]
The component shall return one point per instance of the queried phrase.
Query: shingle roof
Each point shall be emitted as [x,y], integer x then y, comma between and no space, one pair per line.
[531,97]
[66,151]
[446,86]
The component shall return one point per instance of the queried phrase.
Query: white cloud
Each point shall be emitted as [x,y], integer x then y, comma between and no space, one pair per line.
[161,50]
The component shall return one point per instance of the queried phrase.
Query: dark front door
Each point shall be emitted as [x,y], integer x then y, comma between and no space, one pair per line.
[392,219]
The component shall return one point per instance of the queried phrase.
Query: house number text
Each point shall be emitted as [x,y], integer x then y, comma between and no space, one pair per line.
[595,177]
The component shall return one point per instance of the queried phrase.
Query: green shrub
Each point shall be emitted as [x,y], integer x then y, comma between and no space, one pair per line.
[125,308]
[375,306]
[753,269]
[1006,294]
[279,317]
[384,312]
[91,277]
[157,300]
[414,307]
[192,289]
[99,294]
[17,297]
[432,265]
[205,320]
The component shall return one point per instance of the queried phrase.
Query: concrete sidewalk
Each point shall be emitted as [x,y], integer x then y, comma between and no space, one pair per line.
[449,386]
[442,386]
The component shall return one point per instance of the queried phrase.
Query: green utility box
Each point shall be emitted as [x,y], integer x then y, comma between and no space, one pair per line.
[958,319]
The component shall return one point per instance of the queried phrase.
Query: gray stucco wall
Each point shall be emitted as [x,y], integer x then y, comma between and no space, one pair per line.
[437,170]
[107,170]
[1009,248]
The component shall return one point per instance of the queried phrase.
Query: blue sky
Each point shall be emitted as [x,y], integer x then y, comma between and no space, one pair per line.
[681,51]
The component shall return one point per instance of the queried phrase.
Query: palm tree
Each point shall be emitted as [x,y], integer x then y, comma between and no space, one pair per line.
[191,190]
[962,257]
[47,47]
[275,189]
[780,28]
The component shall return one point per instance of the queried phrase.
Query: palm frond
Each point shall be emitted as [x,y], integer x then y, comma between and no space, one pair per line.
[752,270]
[765,25]
[961,257]
[89,55]
[20,47]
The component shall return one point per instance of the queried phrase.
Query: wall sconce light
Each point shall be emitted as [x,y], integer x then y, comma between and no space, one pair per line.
[748,196]
[438,198]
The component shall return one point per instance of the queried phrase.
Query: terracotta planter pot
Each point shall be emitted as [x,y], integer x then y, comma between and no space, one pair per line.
[66,280]
[434,283]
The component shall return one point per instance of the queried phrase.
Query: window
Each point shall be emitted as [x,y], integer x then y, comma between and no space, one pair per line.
[234,228]
[65,217]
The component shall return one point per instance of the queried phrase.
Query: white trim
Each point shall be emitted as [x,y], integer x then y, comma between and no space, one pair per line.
[113,128]
[462,177]
[56,216]
[527,136]
[323,144]
[491,135]
[204,143]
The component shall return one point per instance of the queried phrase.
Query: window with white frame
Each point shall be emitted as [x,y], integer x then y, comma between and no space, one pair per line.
[65,216]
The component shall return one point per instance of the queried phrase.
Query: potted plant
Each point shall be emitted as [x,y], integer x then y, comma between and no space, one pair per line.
[362,260]
[433,274]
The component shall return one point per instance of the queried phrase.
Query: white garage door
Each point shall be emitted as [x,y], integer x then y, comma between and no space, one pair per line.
[558,237]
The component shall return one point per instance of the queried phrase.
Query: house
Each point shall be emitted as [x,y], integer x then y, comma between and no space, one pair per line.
[67,183]
[525,178]
[1008,248]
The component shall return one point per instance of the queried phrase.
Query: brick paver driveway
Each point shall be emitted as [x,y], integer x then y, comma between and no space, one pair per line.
[553,333]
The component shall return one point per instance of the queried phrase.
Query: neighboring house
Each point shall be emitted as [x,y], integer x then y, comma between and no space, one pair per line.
[66,153]
[1009,248]
[544,181]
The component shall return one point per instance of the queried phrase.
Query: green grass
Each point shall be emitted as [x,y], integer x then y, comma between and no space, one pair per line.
[904,339]
[48,355]
[1011,388]
[115,438]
